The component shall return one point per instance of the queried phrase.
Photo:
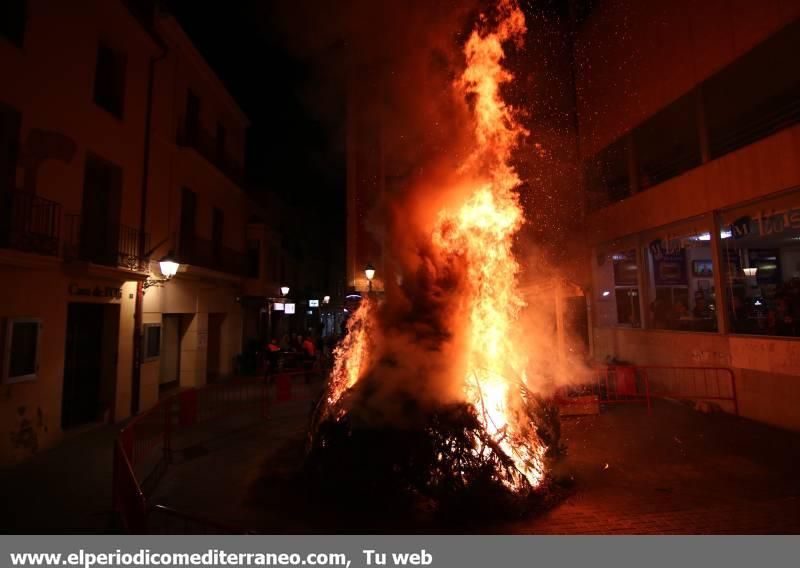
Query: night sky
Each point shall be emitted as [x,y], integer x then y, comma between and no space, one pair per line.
[293,149]
[293,93]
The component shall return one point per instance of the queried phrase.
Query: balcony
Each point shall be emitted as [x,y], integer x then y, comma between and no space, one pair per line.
[107,244]
[29,223]
[205,144]
[213,256]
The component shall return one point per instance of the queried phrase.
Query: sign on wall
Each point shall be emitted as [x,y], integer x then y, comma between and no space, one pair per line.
[95,291]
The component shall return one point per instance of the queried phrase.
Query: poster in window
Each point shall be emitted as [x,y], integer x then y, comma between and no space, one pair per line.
[670,268]
[702,269]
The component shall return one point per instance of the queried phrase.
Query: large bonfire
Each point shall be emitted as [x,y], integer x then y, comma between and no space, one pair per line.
[490,435]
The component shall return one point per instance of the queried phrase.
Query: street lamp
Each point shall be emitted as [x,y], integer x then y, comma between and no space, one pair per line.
[168,267]
[284,290]
[369,270]
[326,300]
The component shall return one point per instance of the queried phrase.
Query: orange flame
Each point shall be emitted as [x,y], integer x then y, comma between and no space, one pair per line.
[480,232]
[351,356]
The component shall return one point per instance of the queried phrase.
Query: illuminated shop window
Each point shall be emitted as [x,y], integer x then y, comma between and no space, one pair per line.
[616,277]
[679,276]
[761,257]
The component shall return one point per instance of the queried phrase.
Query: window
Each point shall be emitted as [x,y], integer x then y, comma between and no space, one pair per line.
[192,119]
[680,278]
[151,346]
[253,258]
[668,144]
[616,280]
[101,208]
[607,174]
[12,20]
[217,232]
[273,264]
[21,349]
[109,80]
[756,95]
[10,120]
[188,220]
[761,257]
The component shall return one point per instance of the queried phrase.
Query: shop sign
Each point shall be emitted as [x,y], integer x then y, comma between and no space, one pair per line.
[766,223]
[95,292]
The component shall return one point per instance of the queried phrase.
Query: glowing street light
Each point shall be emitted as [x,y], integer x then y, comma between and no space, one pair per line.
[169,267]
[284,290]
[369,271]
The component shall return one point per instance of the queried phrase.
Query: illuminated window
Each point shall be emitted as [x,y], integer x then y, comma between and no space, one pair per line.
[761,258]
[680,291]
[616,281]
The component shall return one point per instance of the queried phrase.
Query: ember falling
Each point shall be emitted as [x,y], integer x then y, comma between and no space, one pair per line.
[459,297]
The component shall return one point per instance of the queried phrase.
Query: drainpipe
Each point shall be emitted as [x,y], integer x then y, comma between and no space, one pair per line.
[136,374]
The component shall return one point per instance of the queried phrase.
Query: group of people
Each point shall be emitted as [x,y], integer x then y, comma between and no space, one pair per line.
[302,348]
[778,315]
[676,314]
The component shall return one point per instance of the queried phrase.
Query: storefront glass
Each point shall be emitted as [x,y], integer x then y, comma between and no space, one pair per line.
[616,275]
[761,258]
[680,279]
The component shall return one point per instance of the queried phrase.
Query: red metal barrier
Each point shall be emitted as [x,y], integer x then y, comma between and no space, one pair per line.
[618,384]
[639,384]
[136,452]
[715,384]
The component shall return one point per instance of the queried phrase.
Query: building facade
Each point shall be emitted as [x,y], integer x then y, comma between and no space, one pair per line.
[689,134]
[197,214]
[118,147]
[73,108]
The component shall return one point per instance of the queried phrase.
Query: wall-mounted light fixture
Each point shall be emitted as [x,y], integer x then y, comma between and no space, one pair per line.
[168,266]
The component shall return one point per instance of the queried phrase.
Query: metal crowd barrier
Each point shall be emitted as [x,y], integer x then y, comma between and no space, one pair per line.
[143,448]
[640,384]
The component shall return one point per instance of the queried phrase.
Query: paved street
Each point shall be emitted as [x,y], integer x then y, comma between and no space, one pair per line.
[677,471]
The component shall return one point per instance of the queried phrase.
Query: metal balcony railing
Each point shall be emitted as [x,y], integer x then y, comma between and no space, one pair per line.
[196,137]
[29,223]
[212,255]
[108,244]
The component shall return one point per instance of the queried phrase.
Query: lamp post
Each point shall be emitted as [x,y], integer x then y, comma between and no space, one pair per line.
[270,305]
[369,271]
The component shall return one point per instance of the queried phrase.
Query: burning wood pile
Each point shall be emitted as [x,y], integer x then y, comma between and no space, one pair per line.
[429,400]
